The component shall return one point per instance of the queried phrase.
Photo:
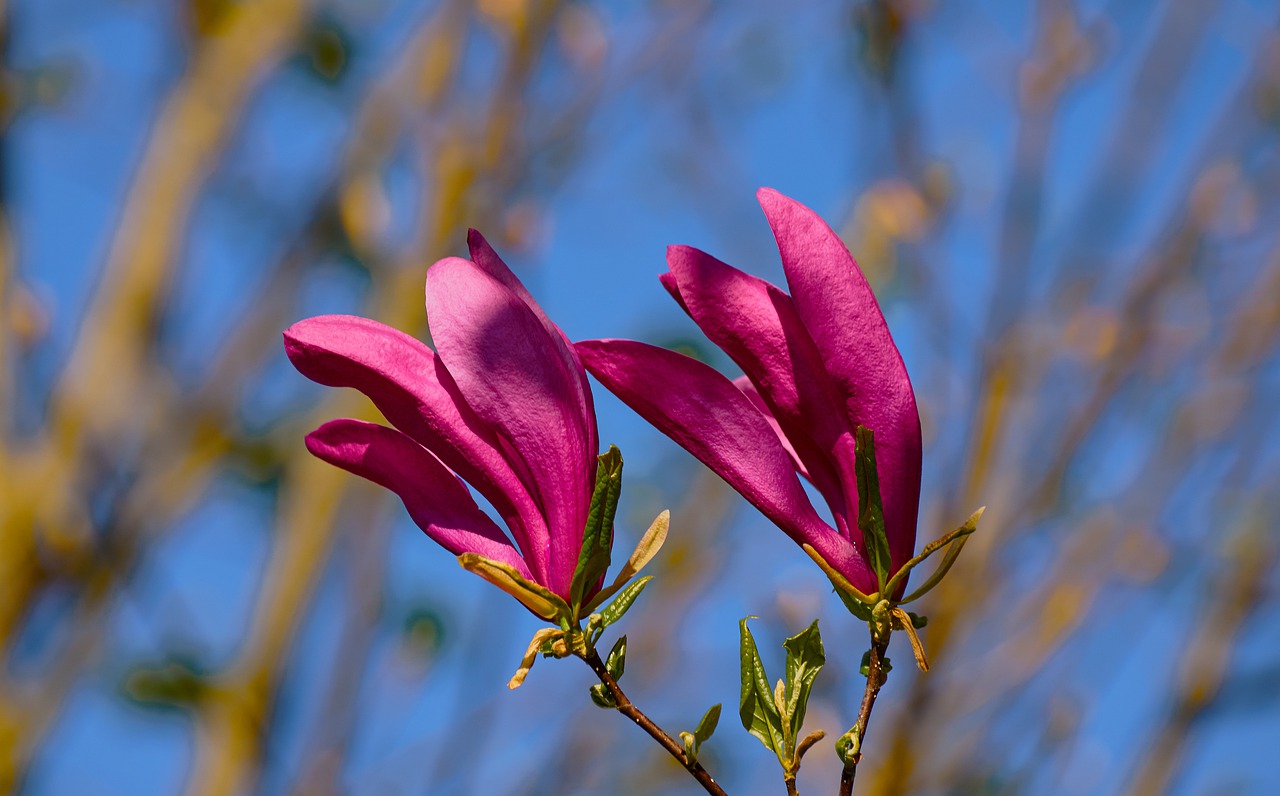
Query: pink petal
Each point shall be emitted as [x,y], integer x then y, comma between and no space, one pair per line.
[483,255]
[411,387]
[753,395]
[708,416]
[757,325]
[668,281]
[510,370]
[436,499]
[845,322]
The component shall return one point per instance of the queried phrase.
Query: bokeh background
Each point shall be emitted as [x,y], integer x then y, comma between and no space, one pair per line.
[1068,209]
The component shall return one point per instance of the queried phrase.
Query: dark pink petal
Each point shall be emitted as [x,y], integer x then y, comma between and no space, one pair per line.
[668,281]
[845,322]
[436,499]
[704,413]
[510,370]
[753,395]
[483,255]
[411,387]
[757,325]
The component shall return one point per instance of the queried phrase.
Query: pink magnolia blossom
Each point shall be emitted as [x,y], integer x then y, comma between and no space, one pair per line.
[502,404]
[818,364]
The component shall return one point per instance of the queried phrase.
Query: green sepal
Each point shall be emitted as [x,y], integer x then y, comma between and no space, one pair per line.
[757,708]
[535,597]
[805,658]
[859,604]
[622,603]
[597,537]
[616,663]
[648,547]
[954,542]
[870,507]
[602,698]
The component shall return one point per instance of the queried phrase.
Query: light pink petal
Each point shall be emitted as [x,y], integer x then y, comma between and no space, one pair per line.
[704,413]
[483,255]
[510,370]
[845,322]
[757,325]
[436,499]
[411,387]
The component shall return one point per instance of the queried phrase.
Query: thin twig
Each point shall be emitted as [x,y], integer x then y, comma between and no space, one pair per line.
[875,679]
[627,708]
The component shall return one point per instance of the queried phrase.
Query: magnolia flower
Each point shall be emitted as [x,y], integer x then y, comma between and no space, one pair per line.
[502,404]
[818,363]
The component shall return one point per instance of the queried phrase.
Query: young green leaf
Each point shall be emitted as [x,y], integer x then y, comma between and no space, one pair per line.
[870,508]
[602,698]
[805,658]
[616,663]
[756,707]
[693,741]
[615,610]
[708,724]
[864,668]
[597,537]
[690,743]
[848,746]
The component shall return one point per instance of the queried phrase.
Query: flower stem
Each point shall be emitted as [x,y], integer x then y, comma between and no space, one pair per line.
[875,679]
[627,708]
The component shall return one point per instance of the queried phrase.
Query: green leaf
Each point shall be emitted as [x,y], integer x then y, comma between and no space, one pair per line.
[756,707]
[615,610]
[601,696]
[805,658]
[616,663]
[597,537]
[708,724]
[870,508]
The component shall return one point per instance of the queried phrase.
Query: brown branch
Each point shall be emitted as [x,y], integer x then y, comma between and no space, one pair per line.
[875,679]
[627,708]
